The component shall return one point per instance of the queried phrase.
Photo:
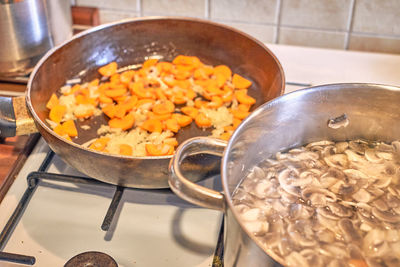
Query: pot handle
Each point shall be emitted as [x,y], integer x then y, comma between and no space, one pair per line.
[186,189]
[14,117]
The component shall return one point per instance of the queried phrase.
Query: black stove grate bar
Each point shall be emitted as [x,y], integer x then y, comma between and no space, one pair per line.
[13,220]
[113,208]
[33,182]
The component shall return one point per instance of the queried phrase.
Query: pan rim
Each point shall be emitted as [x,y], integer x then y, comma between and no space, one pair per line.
[99,28]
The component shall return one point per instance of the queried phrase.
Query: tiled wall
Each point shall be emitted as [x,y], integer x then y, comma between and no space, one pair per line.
[364,25]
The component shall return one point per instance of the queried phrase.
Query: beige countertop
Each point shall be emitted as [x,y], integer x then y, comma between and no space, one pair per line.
[316,66]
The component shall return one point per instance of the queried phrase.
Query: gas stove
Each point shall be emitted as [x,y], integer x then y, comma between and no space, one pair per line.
[53,213]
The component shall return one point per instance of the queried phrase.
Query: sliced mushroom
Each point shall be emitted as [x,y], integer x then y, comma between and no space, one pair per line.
[295,211]
[336,249]
[350,234]
[358,146]
[380,204]
[284,182]
[355,174]
[386,216]
[341,147]
[396,146]
[320,143]
[256,227]
[337,161]
[339,210]
[374,244]
[370,155]
[296,259]
[383,182]
[308,192]
[326,236]
[353,156]
[384,155]
[362,195]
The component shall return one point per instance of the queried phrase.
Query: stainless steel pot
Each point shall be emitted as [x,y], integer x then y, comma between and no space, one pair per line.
[335,112]
[29,29]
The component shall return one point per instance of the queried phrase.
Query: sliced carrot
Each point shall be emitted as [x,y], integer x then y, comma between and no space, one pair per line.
[108,69]
[244,98]
[181,74]
[159,150]
[115,79]
[127,76]
[120,110]
[138,89]
[57,113]
[152,125]
[225,136]
[70,128]
[203,73]
[163,107]
[202,120]
[236,122]
[162,117]
[59,130]
[164,67]
[224,70]
[149,62]
[109,110]
[190,94]
[53,101]
[99,144]
[145,103]
[94,82]
[221,79]
[227,96]
[240,114]
[124,123]
[198,103]
[172,125]
[216,102]
[190,111]
[115,92]
[130,102]
[125,150]
[187,60]
[160,94]
[239,82]
[183,120]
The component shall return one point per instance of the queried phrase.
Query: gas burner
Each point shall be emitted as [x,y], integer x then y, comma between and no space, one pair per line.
[91,259]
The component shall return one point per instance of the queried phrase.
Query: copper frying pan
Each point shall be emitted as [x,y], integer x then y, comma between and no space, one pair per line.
[130,42]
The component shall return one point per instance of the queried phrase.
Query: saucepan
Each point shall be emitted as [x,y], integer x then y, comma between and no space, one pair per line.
[130,42]
[336,112]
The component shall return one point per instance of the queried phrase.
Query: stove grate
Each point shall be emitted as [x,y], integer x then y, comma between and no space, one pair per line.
[33,180]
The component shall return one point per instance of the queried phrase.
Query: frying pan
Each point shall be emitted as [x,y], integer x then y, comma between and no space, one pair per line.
[130,42]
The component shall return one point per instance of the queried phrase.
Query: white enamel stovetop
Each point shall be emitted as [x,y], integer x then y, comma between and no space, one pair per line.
[156,228]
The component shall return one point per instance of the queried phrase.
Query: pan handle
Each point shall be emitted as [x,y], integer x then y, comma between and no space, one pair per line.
[186,189]
[14,117]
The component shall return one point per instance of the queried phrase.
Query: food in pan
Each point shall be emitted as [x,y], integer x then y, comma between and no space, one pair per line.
[147,106]
[326,204]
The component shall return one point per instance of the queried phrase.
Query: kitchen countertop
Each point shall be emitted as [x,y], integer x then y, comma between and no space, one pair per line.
[316,66]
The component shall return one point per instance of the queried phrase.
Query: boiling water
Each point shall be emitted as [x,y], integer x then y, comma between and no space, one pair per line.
[326,204]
